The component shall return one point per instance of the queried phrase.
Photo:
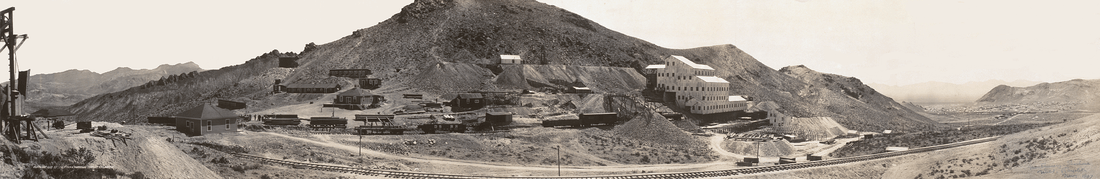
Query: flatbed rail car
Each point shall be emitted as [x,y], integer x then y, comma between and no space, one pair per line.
[378,124]
[294,121]
[586,119]
[328,122]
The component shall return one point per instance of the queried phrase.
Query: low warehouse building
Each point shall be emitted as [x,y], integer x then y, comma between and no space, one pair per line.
[312,88]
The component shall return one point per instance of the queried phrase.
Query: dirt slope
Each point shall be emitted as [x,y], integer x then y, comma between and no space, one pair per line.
[1055,151]
[599,79]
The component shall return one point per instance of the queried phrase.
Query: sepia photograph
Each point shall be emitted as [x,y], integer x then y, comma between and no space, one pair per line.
[511,89]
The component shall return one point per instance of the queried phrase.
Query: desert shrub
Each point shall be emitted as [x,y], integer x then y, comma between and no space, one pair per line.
[101,128]
[245,167]
[223,148]
[137,175]
[265,176]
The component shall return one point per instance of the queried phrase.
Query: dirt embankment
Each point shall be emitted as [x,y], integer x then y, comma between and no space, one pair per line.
[143,152]
[599,79]
[813,128]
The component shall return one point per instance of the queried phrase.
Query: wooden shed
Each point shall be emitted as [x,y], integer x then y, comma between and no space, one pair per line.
[370,83]
[498,118]
[464,101]
[357,98]
[206,119]
[231,105]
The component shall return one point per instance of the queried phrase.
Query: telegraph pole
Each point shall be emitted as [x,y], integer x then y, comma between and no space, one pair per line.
[559,159]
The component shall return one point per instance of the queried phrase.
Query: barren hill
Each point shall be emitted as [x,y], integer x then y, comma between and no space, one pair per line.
[68,87]
[1085,92]
[439,46]
[942,92]
[860,107]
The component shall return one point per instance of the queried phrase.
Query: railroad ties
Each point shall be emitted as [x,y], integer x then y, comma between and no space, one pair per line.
[702,174]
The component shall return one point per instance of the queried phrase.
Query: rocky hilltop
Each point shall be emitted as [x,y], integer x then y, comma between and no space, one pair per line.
[854,104]
[68,87]
[440,46]
[1084,92]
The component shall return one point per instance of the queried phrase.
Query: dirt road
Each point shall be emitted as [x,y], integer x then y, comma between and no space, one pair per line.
[495,168]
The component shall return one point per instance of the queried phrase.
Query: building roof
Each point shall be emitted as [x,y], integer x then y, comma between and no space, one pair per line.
[498,114]
[737,98]
[206,111]
[581,88]
[598,113]
[655,66]
[470,95]
[510,57]
[356,92]
[712,79]
[298,85]
[691,64]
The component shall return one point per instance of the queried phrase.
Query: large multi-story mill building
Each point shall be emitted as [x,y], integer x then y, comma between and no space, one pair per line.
[695,87]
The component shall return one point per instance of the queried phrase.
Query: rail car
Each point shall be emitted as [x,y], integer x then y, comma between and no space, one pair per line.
[327,122]
[434,128]
[586,119]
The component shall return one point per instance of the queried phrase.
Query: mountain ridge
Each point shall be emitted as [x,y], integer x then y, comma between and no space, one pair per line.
[444,46]
[70,86]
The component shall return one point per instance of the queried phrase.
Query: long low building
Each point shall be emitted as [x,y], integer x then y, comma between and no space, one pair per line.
[312,88]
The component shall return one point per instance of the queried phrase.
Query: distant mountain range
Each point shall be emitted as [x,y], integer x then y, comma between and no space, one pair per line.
[442,46]
[71,86]
[941,92]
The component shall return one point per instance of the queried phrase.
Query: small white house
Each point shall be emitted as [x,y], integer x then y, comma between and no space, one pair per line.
[510,59]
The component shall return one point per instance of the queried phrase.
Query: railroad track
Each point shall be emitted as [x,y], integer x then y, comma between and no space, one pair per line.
[701,174]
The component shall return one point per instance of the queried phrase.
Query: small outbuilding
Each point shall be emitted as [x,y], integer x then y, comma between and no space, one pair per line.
[498,118]
[370,83]
[231,105]
[510,59]
[357,99]
[206,119]
[288,62]
[464,101]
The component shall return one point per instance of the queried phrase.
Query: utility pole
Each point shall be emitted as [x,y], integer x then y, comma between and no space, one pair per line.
[360,144]
[559,159]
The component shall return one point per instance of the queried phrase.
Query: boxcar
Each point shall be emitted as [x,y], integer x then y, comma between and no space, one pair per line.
[590,119]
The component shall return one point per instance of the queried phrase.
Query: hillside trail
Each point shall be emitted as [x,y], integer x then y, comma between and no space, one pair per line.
[716,146]
[1006,120]
[717,165]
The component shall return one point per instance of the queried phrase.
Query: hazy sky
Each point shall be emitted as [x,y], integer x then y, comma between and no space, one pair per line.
[887,41]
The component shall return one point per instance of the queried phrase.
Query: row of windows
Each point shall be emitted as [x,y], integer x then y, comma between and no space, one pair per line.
[692,88]
[210,127]
[718,106]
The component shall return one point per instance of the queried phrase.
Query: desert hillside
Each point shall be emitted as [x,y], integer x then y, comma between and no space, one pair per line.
[441,46]
[68,87]
[1084,93]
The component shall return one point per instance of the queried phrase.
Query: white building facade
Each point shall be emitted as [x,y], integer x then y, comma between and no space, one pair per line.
[695,87]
